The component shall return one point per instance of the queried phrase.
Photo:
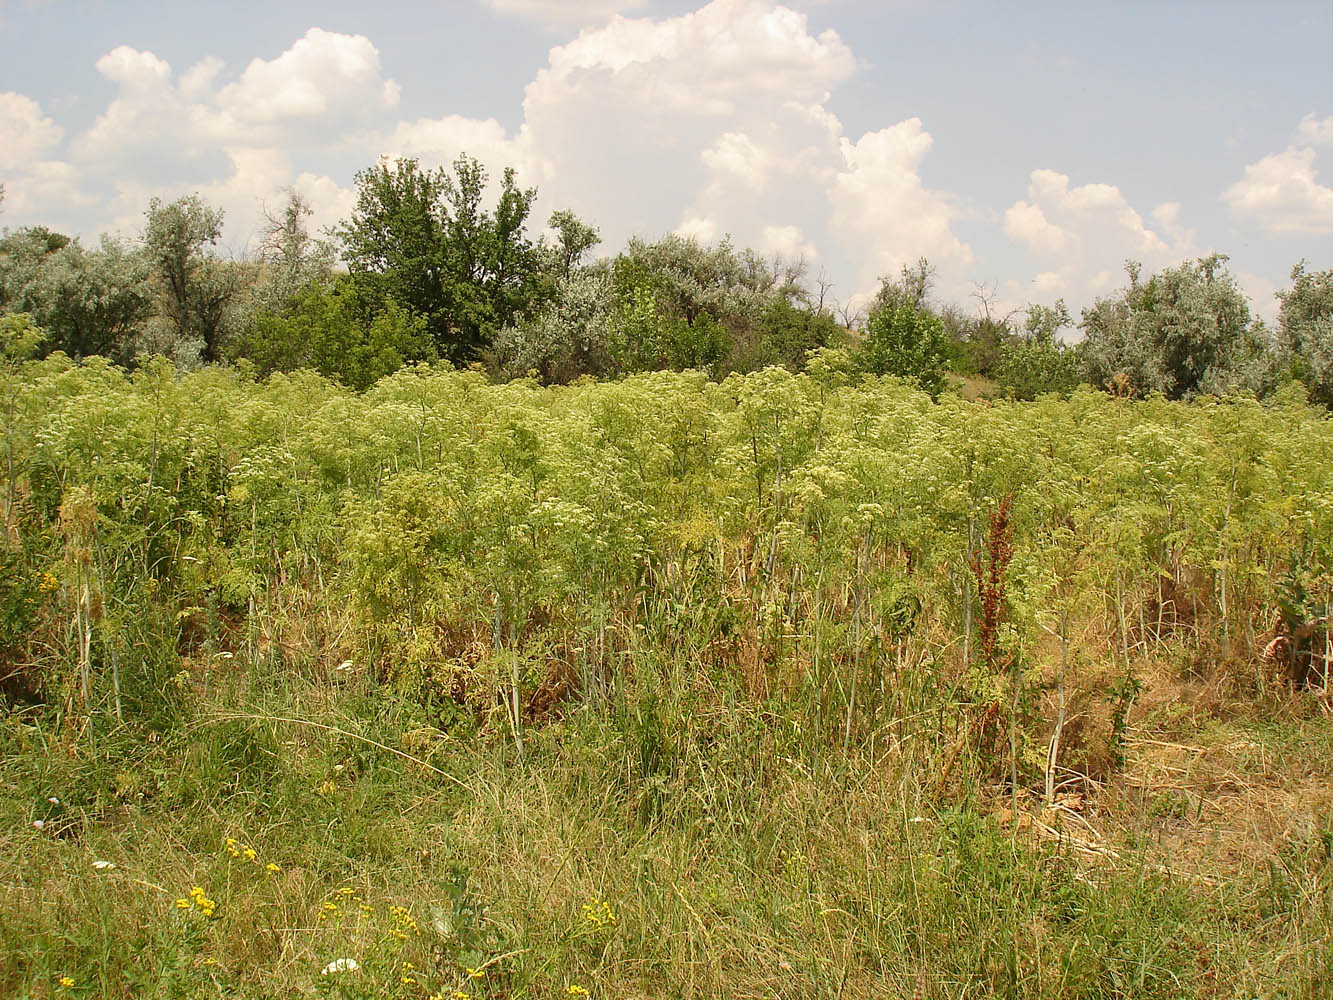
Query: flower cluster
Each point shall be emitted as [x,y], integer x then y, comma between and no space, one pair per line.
[598,912]
[198,898]
[403,922]
[576,990]
[238,850]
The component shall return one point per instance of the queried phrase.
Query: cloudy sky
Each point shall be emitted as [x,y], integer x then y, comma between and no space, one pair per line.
[1027,147]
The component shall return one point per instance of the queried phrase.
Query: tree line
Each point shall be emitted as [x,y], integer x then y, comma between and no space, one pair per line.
[428,269]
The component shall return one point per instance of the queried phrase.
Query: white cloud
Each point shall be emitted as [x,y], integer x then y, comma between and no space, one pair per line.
[699,227]
[1079,236]
[1027,223]
[134,70]
[440,141]
[788,242]
[701,124]
[881,206]
[235,142]
[736,156]
[324,81]
[1314,131]
[1282,194]
[26,133]
[44,192]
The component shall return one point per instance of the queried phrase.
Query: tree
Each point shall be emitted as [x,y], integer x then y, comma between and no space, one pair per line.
[1038,363]
[328,328]
[987,335]
[1305,330]
[87,301]
[906,342]
[787,333]
[911,288]
[423,239]
[581,332]
[1184,331]
[574,239]
[290,257]
[196,287]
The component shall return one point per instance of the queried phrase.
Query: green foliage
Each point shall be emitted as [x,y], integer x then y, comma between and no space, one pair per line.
[787,335]
[905,342]
[291,258]
[581,332]
[88,301]
[329,329]
[418,641]
[422,239]
[20,337]
[1039,363]
[195,287]
[574,238]
[1305,330]
[1182,332]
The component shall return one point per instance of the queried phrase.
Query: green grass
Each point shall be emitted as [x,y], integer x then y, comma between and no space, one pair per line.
[733,864]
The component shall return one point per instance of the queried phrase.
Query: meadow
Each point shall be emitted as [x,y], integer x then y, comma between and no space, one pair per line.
[788,685]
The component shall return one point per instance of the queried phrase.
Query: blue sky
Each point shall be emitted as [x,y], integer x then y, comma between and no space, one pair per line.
[1028,147]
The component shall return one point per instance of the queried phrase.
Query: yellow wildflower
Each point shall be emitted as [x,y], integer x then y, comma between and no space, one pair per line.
[66,981]
[272,867]
[250,853]
[576,991]
[476,973]
[599,913]
[182,904]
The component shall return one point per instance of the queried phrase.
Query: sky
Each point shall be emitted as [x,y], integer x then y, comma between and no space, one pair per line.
[1027,150]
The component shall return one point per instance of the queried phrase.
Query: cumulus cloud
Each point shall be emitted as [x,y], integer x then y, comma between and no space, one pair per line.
[235,141]
[324,81]
[26,132]
[1282,194]
[1080,235]
[709,123]
[880,203]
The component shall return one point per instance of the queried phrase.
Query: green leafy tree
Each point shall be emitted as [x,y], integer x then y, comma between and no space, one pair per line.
[574,238]
[422,238]
[902,336]
[788,332]
[1305,330]
[715,307]
[329,329]
[907,343]
[290,257]
[581,332]
[196,287]
[1038,363]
